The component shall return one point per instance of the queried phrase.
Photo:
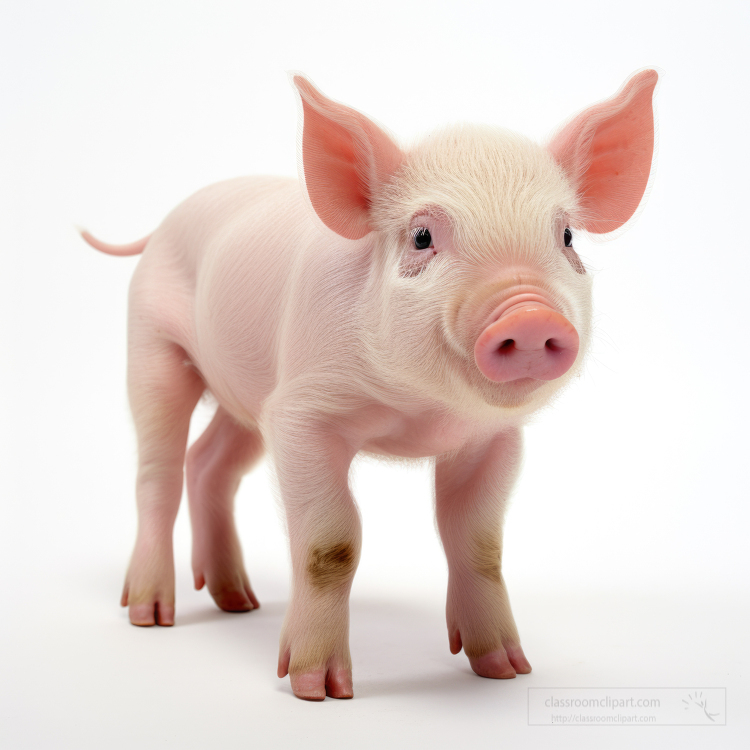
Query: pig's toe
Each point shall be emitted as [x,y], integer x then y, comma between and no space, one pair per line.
[146,609]
[251,596]
[230,590]
[154,613]
[315,684]
[339,684]
[227,582]
[518,659]
[149,585]
[236,600]
[495,665]
[319,683]
[310,686]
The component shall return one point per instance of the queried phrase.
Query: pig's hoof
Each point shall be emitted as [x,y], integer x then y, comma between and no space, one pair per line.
[149,607]
[332,680]
[316,685]
[155,613]
[339,684]
[240,600]
[149,584]
[502,664]
[230,591]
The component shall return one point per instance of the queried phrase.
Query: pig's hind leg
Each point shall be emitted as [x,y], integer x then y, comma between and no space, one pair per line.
[163,389]
[216,463]
[471,489]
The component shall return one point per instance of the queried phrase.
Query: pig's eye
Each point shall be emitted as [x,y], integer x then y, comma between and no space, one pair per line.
[422,238]
[568,237]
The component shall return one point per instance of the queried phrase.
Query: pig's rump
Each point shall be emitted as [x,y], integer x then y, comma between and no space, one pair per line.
[214,279]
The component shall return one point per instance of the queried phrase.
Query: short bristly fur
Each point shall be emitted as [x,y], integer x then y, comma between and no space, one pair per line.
[323,336]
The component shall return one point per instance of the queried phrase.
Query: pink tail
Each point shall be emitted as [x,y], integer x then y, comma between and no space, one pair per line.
[134,248]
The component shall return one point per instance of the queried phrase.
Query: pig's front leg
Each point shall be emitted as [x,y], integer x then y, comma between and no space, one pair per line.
[471,490]
[325,536]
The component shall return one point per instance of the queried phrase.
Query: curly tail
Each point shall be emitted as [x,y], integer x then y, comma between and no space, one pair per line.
[134,248]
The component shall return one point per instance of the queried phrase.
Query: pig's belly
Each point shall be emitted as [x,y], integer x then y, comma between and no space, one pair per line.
[420,444]
[417,446]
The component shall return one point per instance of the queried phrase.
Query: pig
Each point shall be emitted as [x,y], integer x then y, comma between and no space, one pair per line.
[416,303]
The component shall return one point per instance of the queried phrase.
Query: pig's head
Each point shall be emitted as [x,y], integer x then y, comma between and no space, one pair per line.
[475,294]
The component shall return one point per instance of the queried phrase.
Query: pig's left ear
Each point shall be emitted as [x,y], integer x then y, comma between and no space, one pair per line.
[345,159]
[607,151]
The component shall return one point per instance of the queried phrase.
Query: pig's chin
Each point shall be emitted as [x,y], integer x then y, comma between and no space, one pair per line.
[523,392]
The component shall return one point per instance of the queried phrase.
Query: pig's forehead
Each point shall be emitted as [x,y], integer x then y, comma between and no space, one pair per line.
[485,179]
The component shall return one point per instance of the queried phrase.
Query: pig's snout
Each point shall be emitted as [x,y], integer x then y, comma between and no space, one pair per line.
[528,339]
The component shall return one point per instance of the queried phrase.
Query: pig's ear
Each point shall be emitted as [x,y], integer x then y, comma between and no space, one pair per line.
[607,151]
[345,159]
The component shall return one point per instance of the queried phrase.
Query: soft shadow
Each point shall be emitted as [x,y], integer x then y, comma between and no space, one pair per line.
[211,613]
[398,647]
[424,684]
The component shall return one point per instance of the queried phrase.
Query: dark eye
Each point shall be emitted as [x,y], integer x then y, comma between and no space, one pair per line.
[422,238]
[568,237]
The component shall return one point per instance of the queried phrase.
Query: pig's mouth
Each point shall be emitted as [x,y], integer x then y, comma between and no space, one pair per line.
[523,386]
[525,383]
[513,394]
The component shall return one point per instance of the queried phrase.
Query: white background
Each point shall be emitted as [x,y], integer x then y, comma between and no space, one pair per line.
[627,543]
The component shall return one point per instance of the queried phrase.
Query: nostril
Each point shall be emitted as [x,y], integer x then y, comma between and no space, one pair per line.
[527,342]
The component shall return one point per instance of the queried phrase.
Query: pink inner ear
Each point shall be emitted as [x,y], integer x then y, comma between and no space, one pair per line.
[345,158]
[607,152]
[331,176]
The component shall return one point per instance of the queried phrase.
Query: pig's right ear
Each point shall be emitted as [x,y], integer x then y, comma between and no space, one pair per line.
[606,152]
[345,159]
